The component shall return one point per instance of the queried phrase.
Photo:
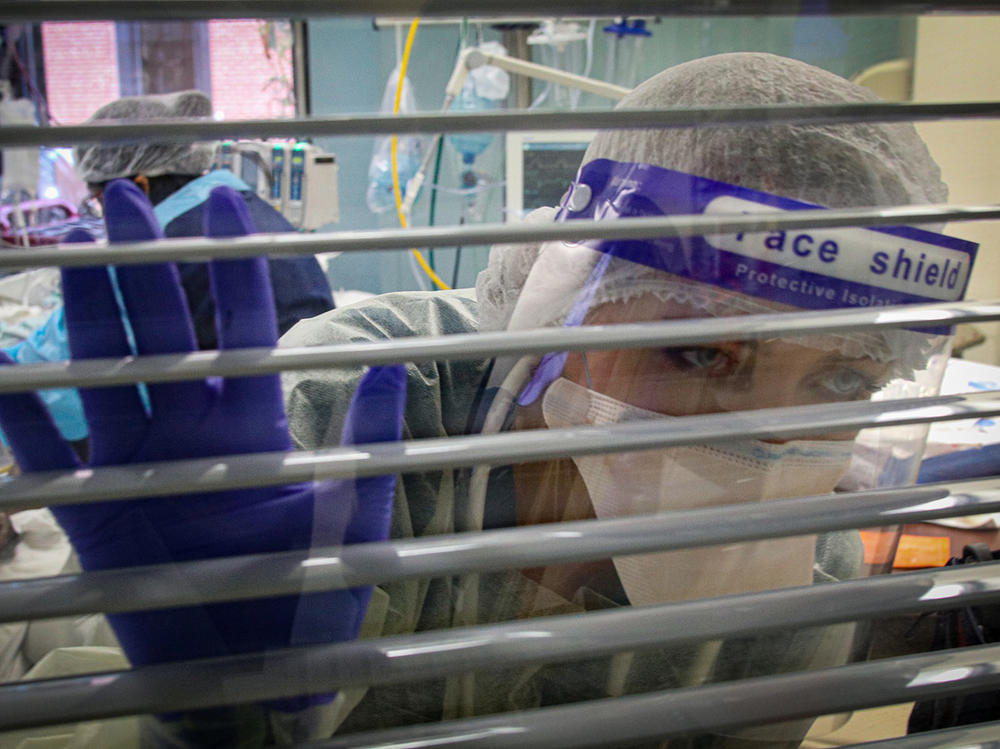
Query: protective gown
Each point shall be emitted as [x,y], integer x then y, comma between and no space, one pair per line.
[445,398]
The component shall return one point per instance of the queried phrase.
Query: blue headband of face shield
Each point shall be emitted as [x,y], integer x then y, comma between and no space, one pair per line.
[806,269]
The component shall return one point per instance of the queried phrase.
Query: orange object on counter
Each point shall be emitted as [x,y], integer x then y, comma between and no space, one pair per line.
[915,552]
[879,546]
[912,552]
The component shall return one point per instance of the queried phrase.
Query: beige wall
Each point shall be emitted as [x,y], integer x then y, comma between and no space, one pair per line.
[958,59]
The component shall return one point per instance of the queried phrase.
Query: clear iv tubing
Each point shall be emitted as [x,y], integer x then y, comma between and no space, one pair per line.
[467,598]
[505,398]
[586,70]
[395,165]
[590,47]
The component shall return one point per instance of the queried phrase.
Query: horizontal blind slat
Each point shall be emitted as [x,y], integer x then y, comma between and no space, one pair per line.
[139,480]
[75,255]
[284,673]
[510,121]
[335,568]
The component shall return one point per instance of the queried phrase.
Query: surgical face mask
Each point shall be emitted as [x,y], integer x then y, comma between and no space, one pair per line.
[692,477]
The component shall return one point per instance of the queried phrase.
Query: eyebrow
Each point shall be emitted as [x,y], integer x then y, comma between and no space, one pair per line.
[833,356]
[866,362]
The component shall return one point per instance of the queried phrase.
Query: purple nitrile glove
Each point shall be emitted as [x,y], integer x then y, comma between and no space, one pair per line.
[195,419]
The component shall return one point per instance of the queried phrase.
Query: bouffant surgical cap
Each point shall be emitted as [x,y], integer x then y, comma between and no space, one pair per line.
[99,163]
[843,165]
[837,166]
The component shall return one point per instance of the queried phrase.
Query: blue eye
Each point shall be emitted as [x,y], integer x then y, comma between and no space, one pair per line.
[702,358]
[848,383]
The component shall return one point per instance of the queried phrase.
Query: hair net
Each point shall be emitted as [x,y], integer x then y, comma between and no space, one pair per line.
[532,285]
[99,163]
[854,164]
[832,165]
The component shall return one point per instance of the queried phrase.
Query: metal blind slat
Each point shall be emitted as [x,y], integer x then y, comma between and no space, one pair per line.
[373,124]
[68,10]
[255,361]
[334,568]
[393,239]
[433,654]
[692,711]
[594,723]
[163,478]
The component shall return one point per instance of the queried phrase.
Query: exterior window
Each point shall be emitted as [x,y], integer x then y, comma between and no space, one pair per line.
[162,57]
[244,64]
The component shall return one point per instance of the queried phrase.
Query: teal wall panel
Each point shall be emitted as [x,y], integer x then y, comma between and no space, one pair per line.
[350,62]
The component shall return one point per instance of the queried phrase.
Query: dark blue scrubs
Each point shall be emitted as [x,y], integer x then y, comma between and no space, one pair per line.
[300,287]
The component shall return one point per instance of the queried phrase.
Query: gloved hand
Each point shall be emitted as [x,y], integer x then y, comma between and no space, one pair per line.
[197,419]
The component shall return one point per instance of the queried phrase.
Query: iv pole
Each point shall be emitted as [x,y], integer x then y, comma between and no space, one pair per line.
[473,57]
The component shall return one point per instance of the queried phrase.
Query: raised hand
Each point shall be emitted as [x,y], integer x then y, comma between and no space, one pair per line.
[217,416]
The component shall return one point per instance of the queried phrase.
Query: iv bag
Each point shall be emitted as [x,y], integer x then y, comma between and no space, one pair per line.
[409,151]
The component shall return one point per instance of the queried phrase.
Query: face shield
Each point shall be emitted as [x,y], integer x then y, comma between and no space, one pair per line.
[617,281]
[604,282]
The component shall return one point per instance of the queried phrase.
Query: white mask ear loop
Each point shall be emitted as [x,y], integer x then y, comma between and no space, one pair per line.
[466,612]
[504,401]
[586,371]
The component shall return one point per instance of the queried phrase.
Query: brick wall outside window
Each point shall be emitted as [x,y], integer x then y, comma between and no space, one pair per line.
[243,74]
[81,69]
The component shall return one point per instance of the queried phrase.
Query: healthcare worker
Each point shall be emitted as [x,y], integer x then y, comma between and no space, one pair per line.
[175,176]
[648,172]
[641,173]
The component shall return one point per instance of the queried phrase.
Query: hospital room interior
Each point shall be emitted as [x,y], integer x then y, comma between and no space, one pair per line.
[376,375]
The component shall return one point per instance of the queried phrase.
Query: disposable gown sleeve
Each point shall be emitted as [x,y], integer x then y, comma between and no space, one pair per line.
[440,395]
[440,400]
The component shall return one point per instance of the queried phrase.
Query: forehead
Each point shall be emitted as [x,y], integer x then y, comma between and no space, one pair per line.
[648,302]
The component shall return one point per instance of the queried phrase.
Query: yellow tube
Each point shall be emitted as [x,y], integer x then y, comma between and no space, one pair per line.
[397,193]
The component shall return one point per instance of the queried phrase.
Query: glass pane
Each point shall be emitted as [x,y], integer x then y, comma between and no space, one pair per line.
[166,49]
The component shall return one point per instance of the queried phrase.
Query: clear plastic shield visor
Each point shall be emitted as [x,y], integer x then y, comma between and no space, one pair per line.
[606,282]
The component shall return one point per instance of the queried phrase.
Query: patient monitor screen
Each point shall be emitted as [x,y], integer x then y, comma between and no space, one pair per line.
[540,167]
